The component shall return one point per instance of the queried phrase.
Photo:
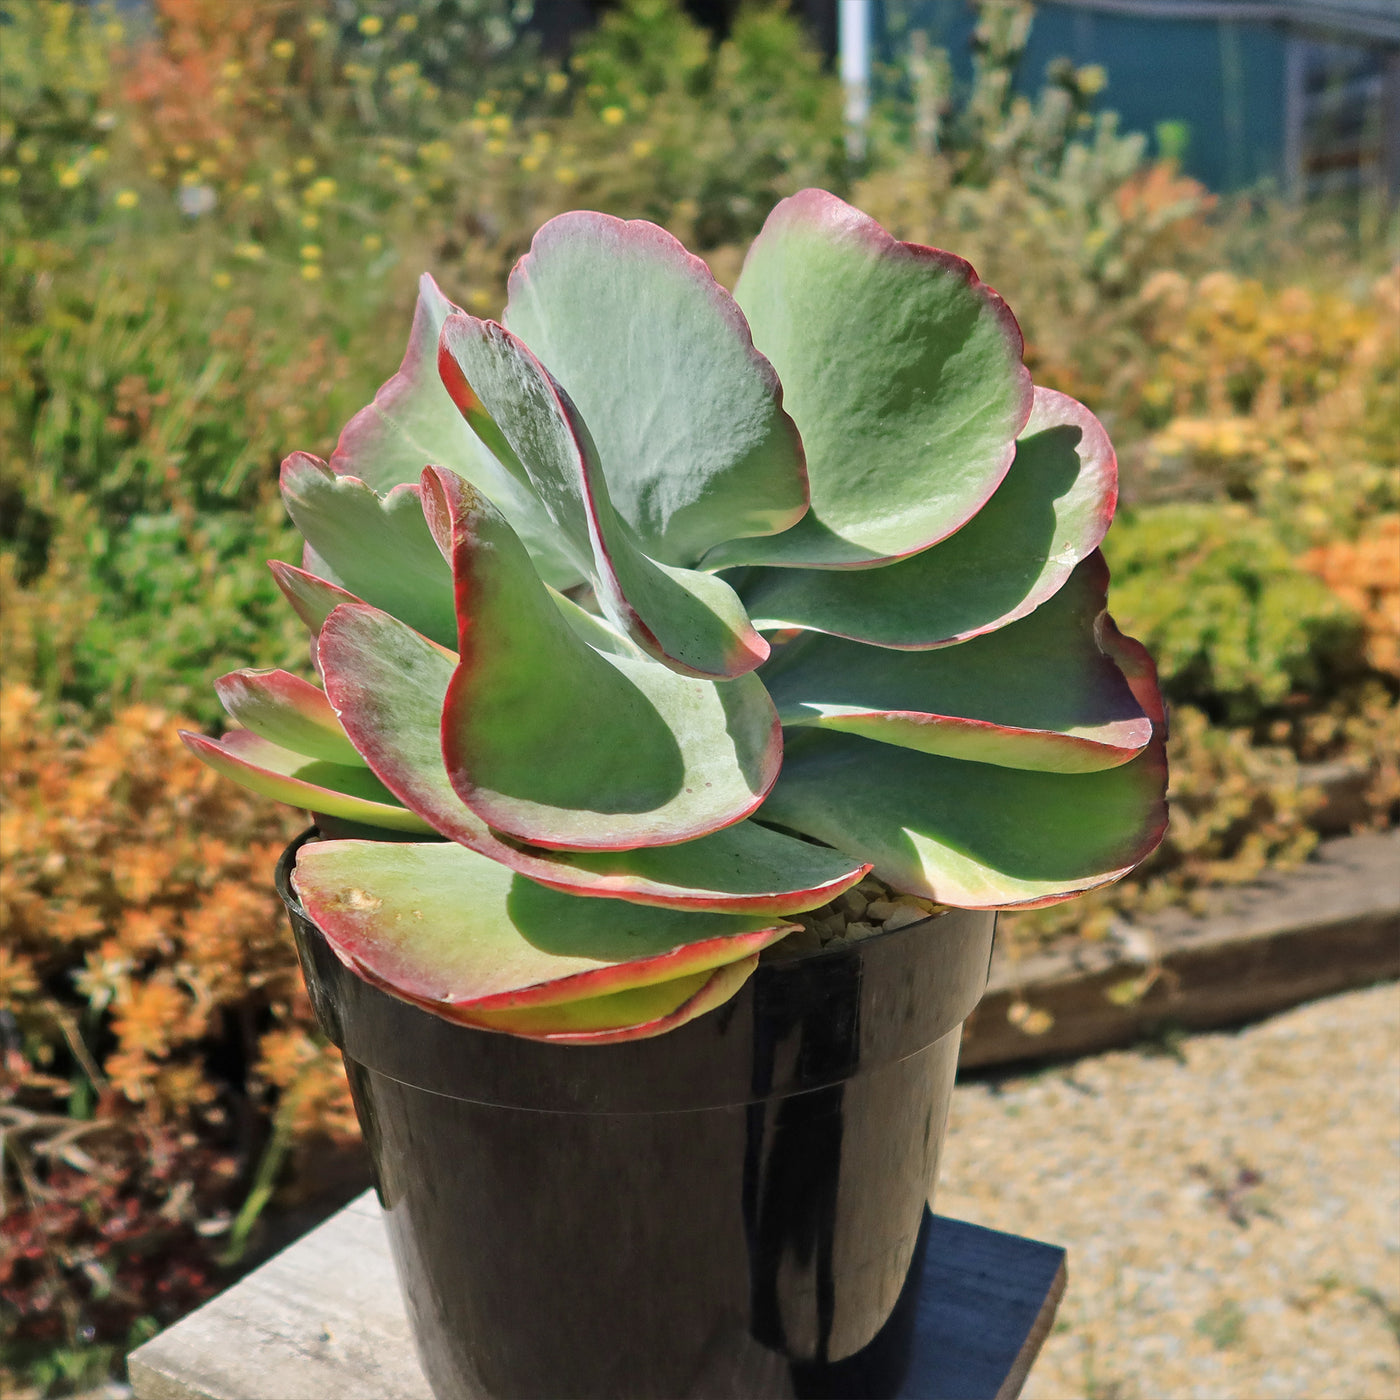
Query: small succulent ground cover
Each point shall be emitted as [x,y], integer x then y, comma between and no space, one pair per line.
[653,618]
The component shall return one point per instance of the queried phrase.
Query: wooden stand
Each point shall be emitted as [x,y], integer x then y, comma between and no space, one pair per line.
[323,1321]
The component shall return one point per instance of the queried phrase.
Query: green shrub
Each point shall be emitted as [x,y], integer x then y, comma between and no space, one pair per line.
[1236,625]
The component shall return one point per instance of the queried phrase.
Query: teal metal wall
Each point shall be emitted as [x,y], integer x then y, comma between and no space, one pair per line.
[1223,80]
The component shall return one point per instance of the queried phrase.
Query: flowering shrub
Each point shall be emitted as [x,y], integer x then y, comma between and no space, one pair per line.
[1287,399]
[154,1023]
[1244,628]
[1365,574]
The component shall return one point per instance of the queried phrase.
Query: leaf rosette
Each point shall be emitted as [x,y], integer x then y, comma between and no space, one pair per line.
[652,617]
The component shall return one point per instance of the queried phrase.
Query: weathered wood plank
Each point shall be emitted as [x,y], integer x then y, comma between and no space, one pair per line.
[1330,925]
[323,1320]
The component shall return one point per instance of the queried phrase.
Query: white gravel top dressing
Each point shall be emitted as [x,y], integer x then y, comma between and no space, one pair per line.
[1231,1207]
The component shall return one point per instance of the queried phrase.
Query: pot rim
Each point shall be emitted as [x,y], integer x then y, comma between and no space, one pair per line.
[807,1022]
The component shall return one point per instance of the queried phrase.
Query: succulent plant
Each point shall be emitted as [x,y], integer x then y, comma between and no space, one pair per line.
[659,616]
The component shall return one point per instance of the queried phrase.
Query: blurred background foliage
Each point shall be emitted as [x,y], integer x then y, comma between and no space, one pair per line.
[210,231]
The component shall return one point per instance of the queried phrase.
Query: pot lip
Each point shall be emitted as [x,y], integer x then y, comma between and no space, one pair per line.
[856,1007]
[286,863]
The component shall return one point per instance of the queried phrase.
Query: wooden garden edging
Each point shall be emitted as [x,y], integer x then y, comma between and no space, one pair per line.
[1332,924]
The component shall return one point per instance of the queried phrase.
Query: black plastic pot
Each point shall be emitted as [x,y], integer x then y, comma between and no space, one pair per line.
[732,1209]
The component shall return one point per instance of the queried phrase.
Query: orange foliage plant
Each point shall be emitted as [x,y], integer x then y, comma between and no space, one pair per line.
[1365,574]
[154,1030]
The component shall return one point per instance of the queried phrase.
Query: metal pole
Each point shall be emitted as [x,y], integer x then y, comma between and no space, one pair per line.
[853,43]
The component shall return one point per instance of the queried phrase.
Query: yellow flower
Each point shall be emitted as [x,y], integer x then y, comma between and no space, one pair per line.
[370,25]
[222,279]
[372,242]
[283,48]
[495,146]
[319,191]
[613,116]
[305,165]
[27,152]
[480,300]
[251,251]
[127,199]
[484,108]
[310,221]
[113,32]
[1092,79]
[208,166]
[316,27]
[641,149]
[183,152]
[70,176]
[311,252]
[99,155]
[156,170]
[408,23]
[232,71]
[541,140]
[281,177]
[311,271]
[251,191]
[500,124]
[556,82]
[9,175]
[529,162]
[566,174]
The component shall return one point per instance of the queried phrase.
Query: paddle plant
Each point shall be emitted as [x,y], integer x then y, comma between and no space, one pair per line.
[654,616]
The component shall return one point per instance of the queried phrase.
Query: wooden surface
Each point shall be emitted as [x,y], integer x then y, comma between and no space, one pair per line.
[1331,925]
[323,1321]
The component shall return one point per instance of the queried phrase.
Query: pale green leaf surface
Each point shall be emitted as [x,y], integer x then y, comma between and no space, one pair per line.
[972,835]
[377,547]
[288,711]
[441,924]
[636,1014]
[687,417]
[339,790]
[412,424]
[395,713]
[1049,513]
[556,743]
[1038,693]
[692,621]
[902,372]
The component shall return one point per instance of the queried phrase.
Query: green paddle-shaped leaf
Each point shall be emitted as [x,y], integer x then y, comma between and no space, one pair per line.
[557,743]
[287,711]
[692,621]
[648,346]
[394,717]
[971,834]
[351,793]
[902,372]
[442,925]
[1050,512]
[376,547]
[412,423]
[636,1014]
[1039,693]
[666,764]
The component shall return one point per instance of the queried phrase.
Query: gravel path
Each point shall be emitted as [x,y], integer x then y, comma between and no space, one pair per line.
[1231,1208]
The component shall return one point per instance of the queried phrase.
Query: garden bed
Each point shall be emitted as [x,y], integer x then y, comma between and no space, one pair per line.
[1330,925]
